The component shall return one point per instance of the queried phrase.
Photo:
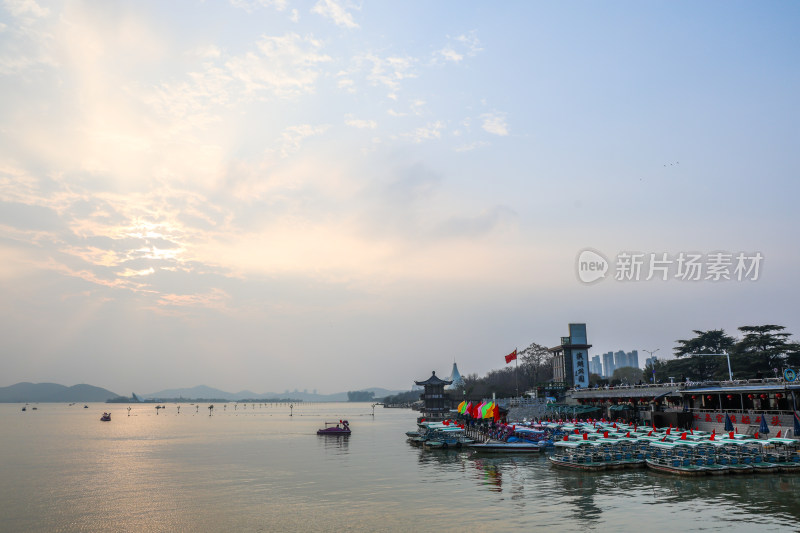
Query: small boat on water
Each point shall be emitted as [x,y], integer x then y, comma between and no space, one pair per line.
[676,458]
[106,417]
[578,455]
[342,427]
[507,447]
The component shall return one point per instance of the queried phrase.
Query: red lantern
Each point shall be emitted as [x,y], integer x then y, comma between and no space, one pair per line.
[763,396]
[694,397]
[779,396]
[750,396]
[709,396]
[730,397]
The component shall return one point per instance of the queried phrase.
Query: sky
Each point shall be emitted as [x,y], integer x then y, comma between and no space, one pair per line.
[333,195]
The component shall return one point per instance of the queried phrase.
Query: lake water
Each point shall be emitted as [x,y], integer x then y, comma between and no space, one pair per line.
[258,469]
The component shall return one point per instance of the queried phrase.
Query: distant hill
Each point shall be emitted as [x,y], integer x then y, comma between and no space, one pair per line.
[53,392]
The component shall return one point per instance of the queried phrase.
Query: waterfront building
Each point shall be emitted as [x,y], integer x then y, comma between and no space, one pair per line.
[571,358]
[436,402]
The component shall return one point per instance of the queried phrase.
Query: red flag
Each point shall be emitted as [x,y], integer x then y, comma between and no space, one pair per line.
[605,434]
[691,431]
[730,435]
[512,356]
[711,437]
[585,436]
[669,429]
[566,438]
[650,434]
[683,436]
[755,435]
[779,434]
[628,434]
[577,431]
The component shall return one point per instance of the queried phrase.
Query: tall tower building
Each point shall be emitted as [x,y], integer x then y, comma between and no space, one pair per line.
[608,364]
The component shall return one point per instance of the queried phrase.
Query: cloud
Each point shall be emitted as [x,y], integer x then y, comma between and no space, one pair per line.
[388,71]
[285,65]
[334,11]
[361,124]
[470,146]
[293,136]
[430,131]
[495,123]
[448,54]
[252,5]
[465,45]
[25,8]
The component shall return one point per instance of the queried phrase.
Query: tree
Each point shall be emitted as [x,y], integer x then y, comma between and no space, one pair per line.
[360,396]
[701,367]
[762,348]
[655,371]
[537,364]
[627,375]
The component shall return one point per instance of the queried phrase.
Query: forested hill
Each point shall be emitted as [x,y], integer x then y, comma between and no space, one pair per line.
[53,392]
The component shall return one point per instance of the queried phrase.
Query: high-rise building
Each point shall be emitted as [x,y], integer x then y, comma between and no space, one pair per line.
[633,358]
[595,366]
[608,364]
[620,359]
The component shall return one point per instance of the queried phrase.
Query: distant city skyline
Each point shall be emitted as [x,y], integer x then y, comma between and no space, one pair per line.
[263,195]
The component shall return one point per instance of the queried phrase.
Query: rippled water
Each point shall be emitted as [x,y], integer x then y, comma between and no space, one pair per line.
[258,469]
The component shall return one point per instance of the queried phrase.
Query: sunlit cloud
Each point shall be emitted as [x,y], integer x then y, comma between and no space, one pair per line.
[495,123]
[361,123]
[252,5]
[388,71]
[286,65]
[294,136]
[430,131]
[25,8]
[336,12]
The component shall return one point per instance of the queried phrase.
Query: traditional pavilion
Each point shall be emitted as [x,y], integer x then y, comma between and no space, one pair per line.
[436,403]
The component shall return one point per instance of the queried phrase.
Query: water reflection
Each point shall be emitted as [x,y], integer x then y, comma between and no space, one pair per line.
[491,474]
[338,444]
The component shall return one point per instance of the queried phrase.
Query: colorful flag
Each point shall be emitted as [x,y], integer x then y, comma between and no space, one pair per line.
[512,356]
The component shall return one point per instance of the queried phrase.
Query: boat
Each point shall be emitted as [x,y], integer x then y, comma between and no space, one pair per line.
[106,417]
[578,455]
[492,446]
[445,438]
[342,427]
[675,458]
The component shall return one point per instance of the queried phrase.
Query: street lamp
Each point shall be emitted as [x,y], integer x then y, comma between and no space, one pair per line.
[730,374]
[651,352]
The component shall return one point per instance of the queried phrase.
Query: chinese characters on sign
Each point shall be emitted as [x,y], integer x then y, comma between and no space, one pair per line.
[718,266]
[581,376]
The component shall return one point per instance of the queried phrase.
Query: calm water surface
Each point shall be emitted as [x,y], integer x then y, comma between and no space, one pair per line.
[258,469]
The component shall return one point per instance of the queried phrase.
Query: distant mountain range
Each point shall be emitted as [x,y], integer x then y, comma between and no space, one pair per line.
[52,392]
